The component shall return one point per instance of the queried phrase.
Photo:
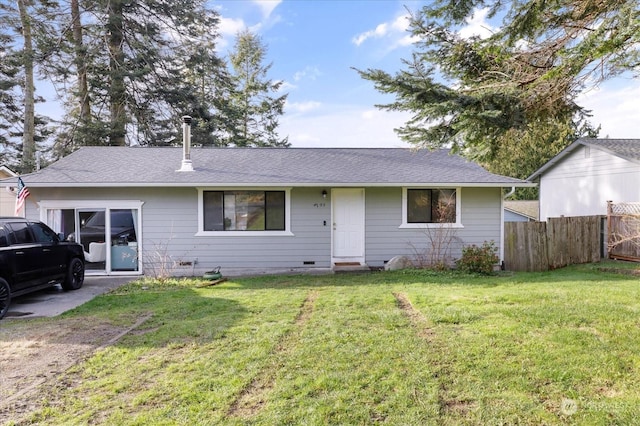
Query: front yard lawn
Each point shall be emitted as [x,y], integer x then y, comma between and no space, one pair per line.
[402,348]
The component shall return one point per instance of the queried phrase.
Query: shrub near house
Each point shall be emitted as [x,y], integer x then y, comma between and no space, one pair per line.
[479,259]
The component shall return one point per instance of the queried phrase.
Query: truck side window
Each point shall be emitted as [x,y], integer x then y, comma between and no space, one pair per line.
[42,233]
[20,233]
[3,237]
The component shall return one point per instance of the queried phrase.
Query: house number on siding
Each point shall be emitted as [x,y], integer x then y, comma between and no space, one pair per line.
[319,205]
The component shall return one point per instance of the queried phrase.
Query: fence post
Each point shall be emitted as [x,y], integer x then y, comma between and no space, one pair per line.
[609,212]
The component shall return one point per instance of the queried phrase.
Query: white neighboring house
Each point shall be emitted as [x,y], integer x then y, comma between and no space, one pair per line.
[7,195]
[584,176]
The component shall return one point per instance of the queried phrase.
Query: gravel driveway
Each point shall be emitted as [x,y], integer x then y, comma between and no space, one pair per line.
[34,355]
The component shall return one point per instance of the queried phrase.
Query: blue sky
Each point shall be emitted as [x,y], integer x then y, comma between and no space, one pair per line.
[314,45]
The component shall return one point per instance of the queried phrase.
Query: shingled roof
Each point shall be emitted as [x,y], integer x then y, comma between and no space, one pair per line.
[528,208]
[628,149]
[124,166]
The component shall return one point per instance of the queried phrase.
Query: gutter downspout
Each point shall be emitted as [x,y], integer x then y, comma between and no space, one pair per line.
[501,254]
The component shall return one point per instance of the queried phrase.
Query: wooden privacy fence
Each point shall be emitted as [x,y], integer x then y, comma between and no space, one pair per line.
[562,241]
[623,229]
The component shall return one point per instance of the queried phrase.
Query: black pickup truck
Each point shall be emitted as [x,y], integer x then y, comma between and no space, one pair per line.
[33,257]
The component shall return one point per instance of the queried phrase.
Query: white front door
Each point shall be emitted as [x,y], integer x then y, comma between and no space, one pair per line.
[348,225]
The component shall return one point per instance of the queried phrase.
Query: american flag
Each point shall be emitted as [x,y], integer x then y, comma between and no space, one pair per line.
[23,193]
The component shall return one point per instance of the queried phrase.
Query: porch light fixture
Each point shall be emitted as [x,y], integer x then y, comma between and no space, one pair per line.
[324,193]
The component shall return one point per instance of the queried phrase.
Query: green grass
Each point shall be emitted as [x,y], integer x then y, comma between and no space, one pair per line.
[404,348]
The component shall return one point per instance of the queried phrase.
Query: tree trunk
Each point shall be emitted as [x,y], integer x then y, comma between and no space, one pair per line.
[81,64]
[28,138]
[116,73]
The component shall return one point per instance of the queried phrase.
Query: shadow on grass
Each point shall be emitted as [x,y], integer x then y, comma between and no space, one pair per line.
[356,279]
[186,310]
[578,274]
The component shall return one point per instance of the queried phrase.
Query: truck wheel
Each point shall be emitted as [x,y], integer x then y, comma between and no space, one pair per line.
[5,297]
[75,275]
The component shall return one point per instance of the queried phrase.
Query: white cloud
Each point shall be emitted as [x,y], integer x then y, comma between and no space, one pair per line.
[614,105]
[379,32]
[228,28]
[477,25]
[343,126]
[267,6]
[407,40]
[308,73]
[231,26]
[395,30]
[302,107]
[401,23]
[287,87]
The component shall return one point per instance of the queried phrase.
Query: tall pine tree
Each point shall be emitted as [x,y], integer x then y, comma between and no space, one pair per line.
[24,130]
[487,96]
[10,104]
[254,103]
[127,68]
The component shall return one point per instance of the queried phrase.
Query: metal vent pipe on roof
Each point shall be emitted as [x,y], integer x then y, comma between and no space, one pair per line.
[187,165]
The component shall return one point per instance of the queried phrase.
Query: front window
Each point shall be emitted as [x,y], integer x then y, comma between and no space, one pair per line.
[430,207]
[242,210]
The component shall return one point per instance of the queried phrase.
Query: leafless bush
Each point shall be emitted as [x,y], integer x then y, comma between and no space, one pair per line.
[440,239]
[436,253]
[159,262]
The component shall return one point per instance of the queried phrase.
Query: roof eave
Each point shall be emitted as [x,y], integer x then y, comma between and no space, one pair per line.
[584,142]
[555,159]
[520,184]
[520,213]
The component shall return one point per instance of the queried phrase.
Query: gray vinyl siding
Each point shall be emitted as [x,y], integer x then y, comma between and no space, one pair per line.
[170,220]
[480,218]
[170,215]
[583,181]
[170,224]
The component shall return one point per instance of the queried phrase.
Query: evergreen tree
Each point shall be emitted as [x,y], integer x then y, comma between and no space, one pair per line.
[22,131]
[10,108]
[128,69]
[490,96]
[254,112]
[28,131]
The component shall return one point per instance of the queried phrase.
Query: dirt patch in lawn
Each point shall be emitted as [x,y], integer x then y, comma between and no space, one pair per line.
[418,321]
[34,355]
[253,397]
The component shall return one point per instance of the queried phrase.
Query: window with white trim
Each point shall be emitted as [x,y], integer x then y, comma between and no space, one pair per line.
[244,210]
[427,207]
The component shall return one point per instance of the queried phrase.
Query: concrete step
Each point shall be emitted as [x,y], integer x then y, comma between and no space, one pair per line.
[350,267]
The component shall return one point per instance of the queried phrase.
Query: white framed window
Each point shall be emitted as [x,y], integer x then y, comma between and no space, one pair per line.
[431,207]
[244,212]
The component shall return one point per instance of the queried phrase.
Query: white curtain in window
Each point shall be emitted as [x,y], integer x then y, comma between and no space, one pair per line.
[54,219]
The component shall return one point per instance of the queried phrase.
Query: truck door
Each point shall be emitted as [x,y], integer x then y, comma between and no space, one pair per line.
[27,253]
